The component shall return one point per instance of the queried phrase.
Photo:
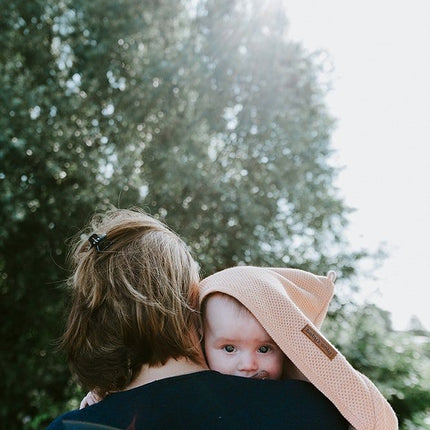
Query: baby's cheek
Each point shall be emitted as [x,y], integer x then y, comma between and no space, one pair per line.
[212,359]
[278,373]
[277,367]
[220,362]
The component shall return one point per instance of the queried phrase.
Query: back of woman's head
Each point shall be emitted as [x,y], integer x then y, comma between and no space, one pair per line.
[134,300]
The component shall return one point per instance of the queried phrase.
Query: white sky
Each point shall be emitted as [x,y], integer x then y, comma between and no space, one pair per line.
[381,97]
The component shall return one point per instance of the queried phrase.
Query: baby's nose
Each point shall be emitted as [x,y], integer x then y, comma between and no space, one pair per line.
[248,362]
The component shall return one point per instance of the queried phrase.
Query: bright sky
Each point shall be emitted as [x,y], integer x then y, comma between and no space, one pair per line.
[381,97]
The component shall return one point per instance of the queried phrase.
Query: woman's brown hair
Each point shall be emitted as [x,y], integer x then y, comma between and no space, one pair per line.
[134,300]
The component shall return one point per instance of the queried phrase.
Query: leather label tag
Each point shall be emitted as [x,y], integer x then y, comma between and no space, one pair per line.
[319,341]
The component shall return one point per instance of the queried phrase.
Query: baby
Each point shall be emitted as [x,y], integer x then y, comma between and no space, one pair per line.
[235,343]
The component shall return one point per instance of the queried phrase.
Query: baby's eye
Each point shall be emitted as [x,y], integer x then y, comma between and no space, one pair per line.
[229,348]
[264,349]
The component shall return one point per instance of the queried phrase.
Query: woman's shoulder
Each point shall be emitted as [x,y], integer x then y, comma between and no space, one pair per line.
[57,424]
[220,400]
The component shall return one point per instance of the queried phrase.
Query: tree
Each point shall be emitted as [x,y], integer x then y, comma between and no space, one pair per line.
[260,141]
[398,362]
[52,175]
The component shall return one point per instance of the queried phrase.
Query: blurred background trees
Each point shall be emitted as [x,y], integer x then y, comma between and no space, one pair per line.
[207,116]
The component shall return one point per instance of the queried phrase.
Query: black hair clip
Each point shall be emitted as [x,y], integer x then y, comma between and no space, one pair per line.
[100,242]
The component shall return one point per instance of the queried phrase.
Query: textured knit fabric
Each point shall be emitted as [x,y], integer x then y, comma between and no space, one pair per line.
[209,400]
[291,305]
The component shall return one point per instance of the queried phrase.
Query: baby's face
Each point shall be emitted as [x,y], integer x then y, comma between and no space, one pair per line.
[236,344]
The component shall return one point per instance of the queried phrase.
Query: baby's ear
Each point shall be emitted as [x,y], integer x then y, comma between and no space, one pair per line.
[200,328]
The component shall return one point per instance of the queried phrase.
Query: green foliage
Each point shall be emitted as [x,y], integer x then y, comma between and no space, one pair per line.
[398,362]
[205,115]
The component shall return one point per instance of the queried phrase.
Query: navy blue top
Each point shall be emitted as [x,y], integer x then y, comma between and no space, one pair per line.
[210,400]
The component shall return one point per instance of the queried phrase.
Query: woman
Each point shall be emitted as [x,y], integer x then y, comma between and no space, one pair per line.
[132,332]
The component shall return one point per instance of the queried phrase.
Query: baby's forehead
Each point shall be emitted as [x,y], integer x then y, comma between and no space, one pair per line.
[226,319]
[221,303]
[222,312]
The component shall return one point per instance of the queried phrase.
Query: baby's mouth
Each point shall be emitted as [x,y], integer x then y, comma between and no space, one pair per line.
[261,374]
